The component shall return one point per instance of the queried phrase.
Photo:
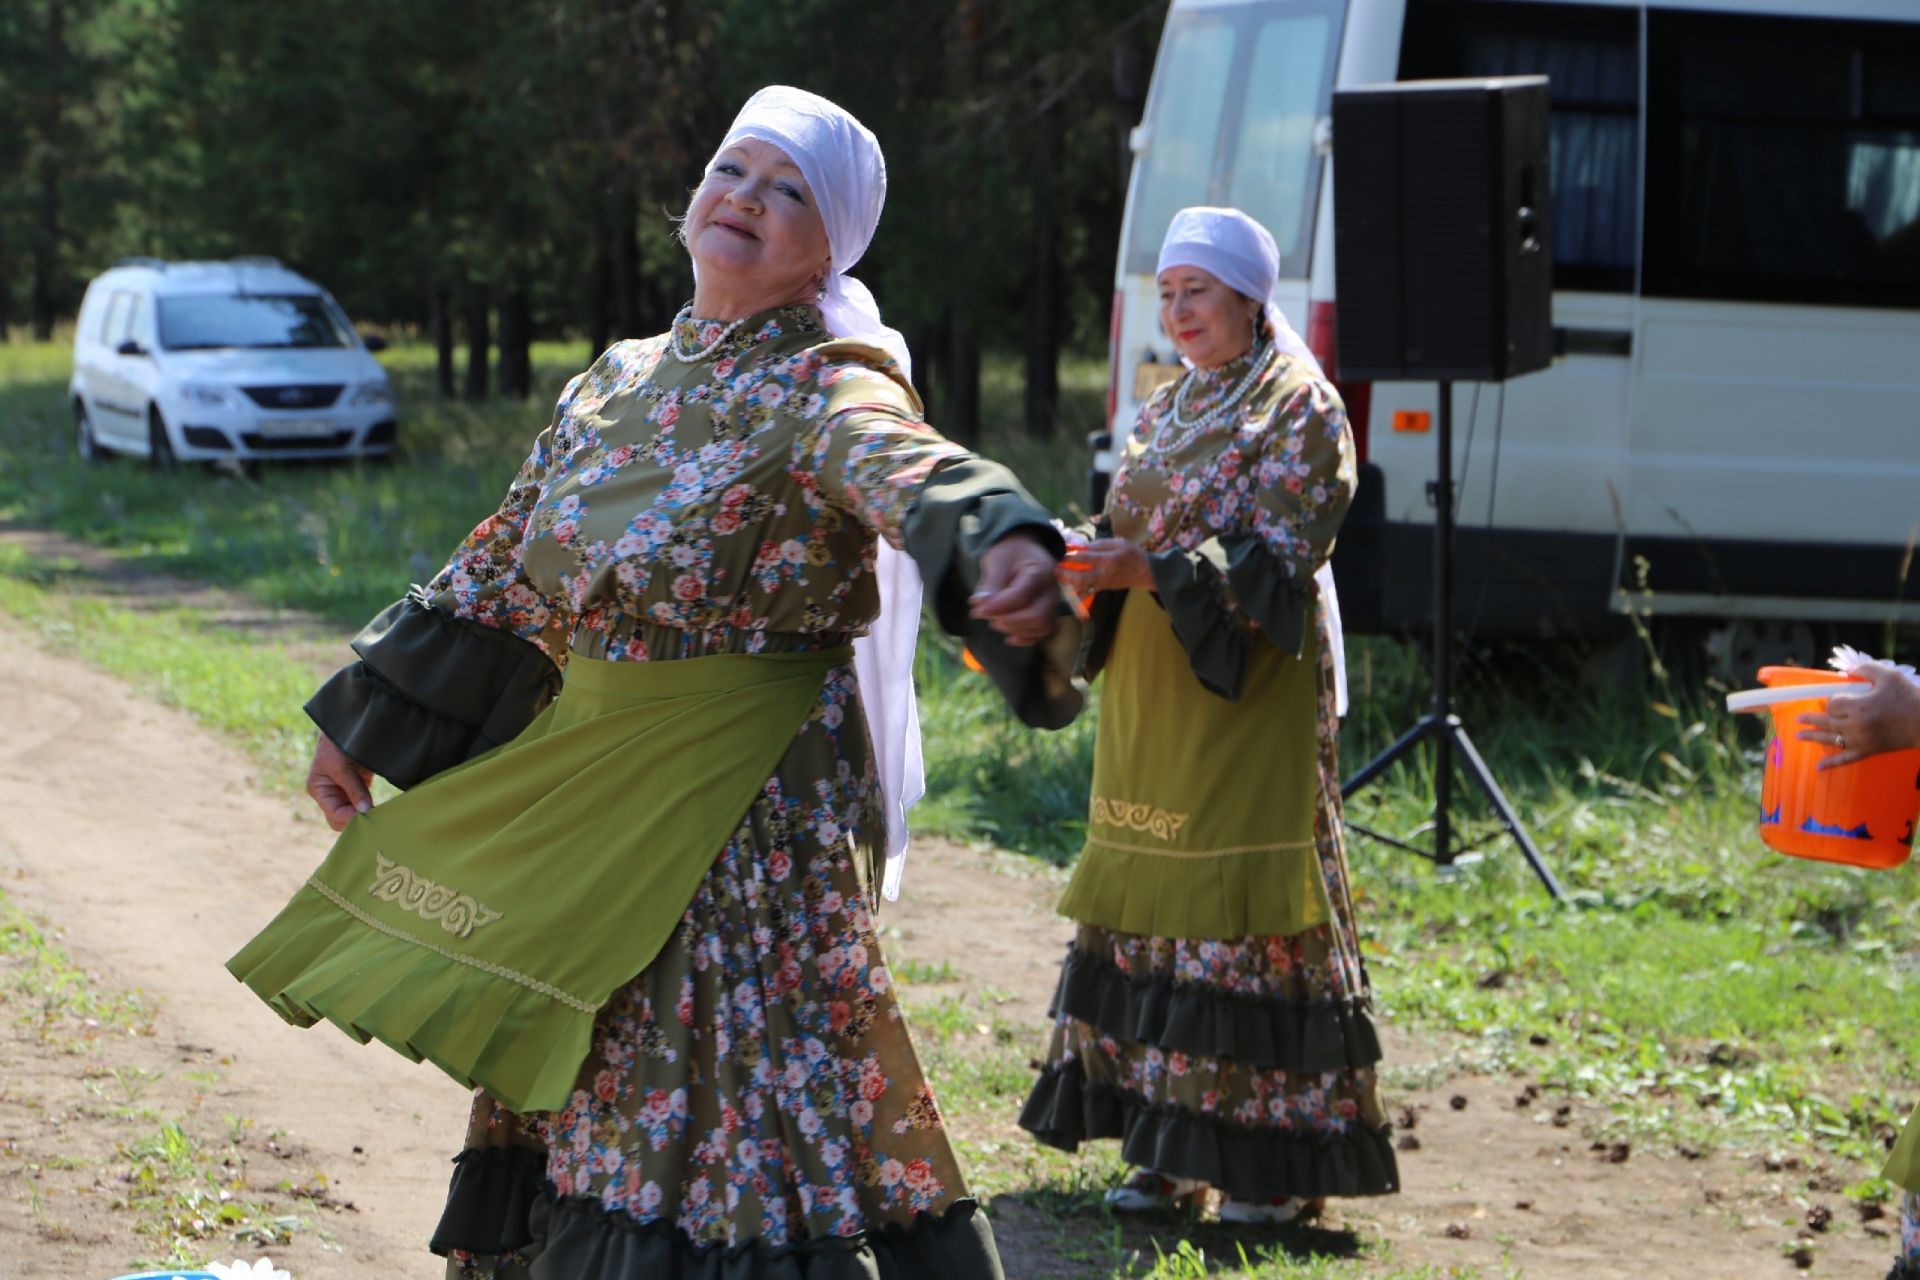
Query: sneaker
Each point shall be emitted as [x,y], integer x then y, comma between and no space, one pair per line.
[1145,1191]
[1268,1213]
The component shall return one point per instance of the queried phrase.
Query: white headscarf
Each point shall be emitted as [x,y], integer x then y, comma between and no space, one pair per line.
[1241,254]
[843,165]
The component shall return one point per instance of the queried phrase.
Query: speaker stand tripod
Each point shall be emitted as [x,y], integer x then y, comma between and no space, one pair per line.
[1441,725]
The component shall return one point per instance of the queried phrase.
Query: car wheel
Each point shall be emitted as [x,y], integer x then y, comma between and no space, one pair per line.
[159,443]
[85,443]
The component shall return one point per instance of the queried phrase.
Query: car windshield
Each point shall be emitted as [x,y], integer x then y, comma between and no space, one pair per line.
[201,321]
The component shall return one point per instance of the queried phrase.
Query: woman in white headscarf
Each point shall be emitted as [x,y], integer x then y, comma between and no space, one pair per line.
[1212,1013]
[641,926]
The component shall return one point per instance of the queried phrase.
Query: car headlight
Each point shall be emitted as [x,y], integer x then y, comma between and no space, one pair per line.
[201,394]
[378,391]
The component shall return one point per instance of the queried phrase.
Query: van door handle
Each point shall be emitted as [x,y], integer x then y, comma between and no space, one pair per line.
[1592,342]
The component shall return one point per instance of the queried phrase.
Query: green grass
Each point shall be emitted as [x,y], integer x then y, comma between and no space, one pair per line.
[229,681]
[47,994]
[1709,992]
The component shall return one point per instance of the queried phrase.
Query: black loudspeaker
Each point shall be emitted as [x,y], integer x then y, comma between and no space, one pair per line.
[1442,245]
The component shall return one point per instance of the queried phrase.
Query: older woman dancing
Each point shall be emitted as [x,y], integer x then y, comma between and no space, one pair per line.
[689,558]
[1212,1011]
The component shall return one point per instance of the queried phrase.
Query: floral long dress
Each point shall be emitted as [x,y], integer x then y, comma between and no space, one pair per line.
[1238,1056]
[752,1102]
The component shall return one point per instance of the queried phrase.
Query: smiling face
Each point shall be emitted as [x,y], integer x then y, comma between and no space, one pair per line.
[1209,322]
[753,230]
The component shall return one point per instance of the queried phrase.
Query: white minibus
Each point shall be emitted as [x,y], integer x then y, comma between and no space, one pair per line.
[1731,427]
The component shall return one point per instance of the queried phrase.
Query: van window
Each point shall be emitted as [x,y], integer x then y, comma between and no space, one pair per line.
[1783,159]
[1236,95]
[1590,56]
[113,328]
[193,322]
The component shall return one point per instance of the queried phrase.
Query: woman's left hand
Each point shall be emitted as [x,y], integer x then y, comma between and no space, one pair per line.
[1106,564]
[1018,595]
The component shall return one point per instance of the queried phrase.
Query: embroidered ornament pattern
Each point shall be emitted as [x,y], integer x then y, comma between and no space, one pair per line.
[458,913]
[1138,817]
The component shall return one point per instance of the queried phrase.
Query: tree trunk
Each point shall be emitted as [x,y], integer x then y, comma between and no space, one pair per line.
[625,256]
[960,417]
[441,321]
[599,291]
[6,287]
[1044,303]
[479,346]
[960,372]
[926,344]
[1131,64]
[516,338]
[46,256]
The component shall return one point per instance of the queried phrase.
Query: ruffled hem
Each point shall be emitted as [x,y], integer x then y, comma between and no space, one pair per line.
[1273,893]
[313,963]
[1195,1018]
[1064,1110]
[490,1202]
[579,1240]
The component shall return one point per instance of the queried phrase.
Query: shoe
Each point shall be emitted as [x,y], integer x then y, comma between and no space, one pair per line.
[1145,1191]
[1269,1213]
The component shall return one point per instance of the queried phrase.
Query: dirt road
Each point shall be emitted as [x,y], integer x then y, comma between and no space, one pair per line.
[139,835]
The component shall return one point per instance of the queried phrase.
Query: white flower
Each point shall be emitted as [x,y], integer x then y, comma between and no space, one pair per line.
[260,1269]
[1846,658]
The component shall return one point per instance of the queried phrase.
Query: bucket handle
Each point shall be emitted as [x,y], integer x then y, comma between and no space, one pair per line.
[1761,699]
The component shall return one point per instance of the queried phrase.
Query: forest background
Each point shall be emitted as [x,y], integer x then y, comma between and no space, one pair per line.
[488,172]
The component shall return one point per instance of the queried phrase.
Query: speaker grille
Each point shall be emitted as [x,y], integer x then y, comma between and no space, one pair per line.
[1430,276]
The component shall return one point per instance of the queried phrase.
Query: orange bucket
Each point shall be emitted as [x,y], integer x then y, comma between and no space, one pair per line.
[1861,814]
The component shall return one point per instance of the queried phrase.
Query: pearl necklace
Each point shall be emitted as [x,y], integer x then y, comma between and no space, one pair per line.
[1190,427]
[695,357]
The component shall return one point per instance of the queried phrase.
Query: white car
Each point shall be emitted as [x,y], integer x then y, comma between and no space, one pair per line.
[223,361]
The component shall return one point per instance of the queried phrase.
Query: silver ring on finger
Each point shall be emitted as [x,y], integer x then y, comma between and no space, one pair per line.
[1840,741]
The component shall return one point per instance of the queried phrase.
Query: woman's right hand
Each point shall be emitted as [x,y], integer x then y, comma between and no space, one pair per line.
[337,784]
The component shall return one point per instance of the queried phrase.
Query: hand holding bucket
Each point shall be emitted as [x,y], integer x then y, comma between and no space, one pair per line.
[1866,724]
[1862,815]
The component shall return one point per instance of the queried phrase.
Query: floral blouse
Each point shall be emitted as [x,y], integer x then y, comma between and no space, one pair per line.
[679,508]
[1237,513]
[1281,468]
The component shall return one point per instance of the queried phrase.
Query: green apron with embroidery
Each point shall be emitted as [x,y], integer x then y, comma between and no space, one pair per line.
[1201,822]
[1903,1162]
[480,920]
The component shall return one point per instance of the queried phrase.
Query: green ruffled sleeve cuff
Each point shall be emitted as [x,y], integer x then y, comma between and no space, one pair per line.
[965,507]
[1212,592]
[431,691]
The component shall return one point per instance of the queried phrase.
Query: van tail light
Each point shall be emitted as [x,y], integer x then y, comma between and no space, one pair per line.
[1113,359]
[1358,396]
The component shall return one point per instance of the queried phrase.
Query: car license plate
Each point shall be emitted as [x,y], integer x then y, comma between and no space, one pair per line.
[297,428]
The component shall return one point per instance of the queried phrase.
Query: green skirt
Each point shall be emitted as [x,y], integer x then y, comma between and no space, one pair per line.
[479,921]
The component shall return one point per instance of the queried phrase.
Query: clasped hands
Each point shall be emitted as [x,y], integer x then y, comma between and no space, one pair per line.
[1020,581]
